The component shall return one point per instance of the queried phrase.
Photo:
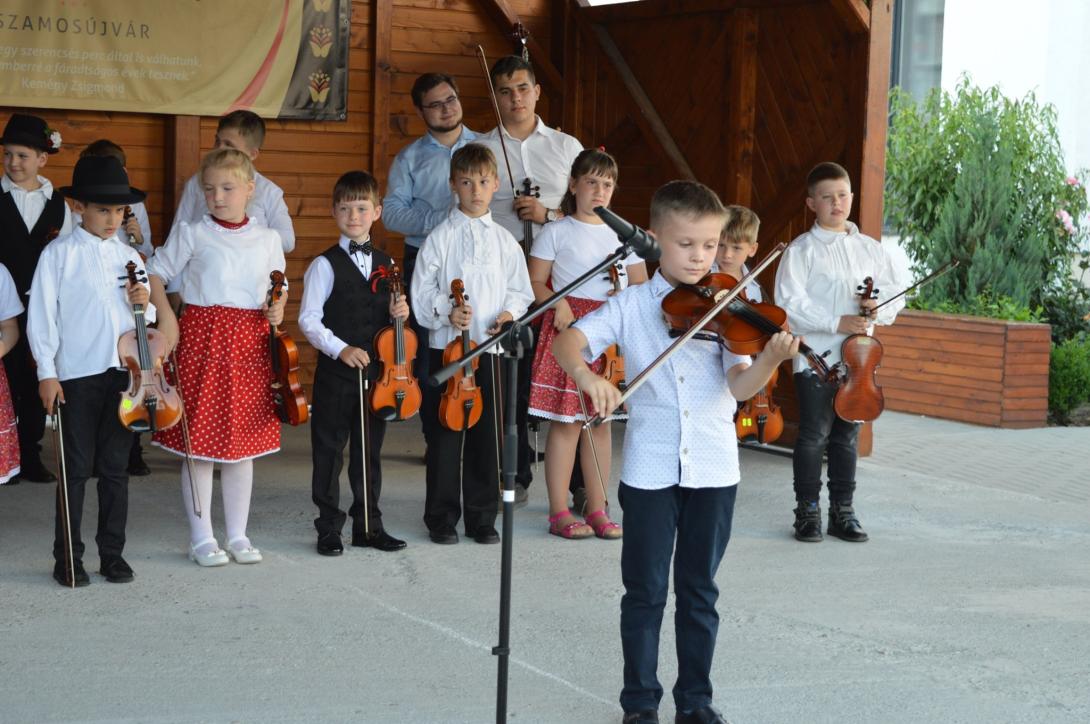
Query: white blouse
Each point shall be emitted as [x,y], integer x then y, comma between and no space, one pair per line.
[575,246]
[225,267]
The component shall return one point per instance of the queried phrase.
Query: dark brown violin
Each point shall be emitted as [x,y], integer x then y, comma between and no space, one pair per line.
[291,402]
[396,394]
[742,326]
[149,404]
[613,371]
[859,397]
[461,405]
[760,417]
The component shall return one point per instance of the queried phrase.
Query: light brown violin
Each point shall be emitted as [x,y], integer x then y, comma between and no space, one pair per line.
[613,371]
[461,405]
[396,394]
[288,395]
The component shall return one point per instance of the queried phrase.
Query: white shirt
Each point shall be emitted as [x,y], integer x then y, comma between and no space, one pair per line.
[141,214]
[484,256]
[575,246]
[226,267]
[817,281]
[10,305]
[267,208]
[681,420]
[317,286]
[545,157]
[31,203]
[78,306]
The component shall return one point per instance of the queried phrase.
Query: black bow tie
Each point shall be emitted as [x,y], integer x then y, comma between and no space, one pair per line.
[365,247]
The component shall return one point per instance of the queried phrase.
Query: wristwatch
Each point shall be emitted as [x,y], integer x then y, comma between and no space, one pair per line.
[551,215]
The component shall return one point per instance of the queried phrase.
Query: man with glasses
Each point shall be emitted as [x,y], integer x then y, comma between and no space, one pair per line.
[418,194]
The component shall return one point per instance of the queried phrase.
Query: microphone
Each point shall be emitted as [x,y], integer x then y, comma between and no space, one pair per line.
[639,240]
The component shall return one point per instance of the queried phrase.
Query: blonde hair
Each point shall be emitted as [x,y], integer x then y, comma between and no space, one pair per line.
[231,160]
[684,198]
[740,224]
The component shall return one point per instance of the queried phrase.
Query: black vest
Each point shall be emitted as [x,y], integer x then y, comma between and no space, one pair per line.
[353,312]
[19,247]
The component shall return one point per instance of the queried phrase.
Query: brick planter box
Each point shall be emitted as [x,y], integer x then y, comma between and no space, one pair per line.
[970,369]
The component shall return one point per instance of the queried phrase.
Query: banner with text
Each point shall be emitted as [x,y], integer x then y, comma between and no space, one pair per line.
[278,58]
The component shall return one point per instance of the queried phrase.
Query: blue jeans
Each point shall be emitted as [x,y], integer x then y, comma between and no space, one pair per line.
[821,432]
[700,521]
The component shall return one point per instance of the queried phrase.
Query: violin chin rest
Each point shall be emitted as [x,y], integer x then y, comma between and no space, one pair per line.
[389,414]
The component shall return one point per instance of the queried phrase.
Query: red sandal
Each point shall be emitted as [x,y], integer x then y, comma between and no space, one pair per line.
[572,531]
[604,528]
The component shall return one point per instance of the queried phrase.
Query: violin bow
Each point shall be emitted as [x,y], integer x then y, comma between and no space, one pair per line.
[499,123]
[62,495]
[593,451]
[186,440]
[695,328]
[364,385]
[953,263]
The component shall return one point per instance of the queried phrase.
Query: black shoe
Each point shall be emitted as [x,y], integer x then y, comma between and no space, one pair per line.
[330,544]
[645,716]
[82,579]
[486,534]
[381,540]
[703,715]
[808,523]
[32,470]
[115,569]
[844,525]
[137,466]
[444,536]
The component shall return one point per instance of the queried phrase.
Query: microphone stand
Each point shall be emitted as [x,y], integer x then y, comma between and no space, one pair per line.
[516,337]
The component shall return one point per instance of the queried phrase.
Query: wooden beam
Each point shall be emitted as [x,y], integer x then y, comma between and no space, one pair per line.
[544,70]
[792,199]
[855,14]
[742,107]
[646,117]
[382,27]
[573,70]
[876,119]
[655,9]
[183,157]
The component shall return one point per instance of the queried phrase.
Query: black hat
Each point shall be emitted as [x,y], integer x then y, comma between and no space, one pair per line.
[26,130]
[101,180]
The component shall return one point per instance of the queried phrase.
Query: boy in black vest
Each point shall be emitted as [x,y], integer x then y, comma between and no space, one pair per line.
[341,311]
[32,213]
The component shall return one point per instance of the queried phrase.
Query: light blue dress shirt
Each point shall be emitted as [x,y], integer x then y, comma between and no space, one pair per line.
[418,194]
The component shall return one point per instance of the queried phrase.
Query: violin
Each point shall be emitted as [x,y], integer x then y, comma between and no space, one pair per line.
[461,405]
[742,326]
[149,403]
[396,394]
[288,396]
[859,397]
[760,417]
[613,371]
[528,189]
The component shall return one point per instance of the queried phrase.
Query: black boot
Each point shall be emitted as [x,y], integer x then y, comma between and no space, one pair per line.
[808,522]
[844,525]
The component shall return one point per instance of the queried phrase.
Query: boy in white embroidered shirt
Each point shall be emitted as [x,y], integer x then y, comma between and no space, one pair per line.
[816,283]
[469,246]
[680,467]
[78,309]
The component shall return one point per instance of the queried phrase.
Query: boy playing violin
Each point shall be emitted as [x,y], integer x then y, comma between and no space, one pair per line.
[472,247]
[341,311]
[680,471]
[78,309]
[816,284]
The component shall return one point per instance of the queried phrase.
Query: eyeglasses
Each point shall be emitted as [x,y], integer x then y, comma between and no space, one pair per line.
[439,105]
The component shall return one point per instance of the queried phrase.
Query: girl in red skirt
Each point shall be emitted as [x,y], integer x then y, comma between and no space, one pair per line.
[562,252]
[223,362]
[10,309]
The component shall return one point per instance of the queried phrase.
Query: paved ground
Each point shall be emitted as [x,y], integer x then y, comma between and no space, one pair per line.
[971,603]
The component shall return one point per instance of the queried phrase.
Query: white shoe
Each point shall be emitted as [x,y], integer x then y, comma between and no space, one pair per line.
[246,554]
[211,559]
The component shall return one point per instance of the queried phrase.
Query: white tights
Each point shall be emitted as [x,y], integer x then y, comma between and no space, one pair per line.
[237,482]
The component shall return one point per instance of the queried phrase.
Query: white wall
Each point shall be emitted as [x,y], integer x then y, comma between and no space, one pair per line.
[1022,46]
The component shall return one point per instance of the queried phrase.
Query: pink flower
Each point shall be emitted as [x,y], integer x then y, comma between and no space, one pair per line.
[1067,221]
[1072,181]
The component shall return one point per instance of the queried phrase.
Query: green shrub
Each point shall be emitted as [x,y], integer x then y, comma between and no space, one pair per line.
[980,178]
[983,305]
[1069,376]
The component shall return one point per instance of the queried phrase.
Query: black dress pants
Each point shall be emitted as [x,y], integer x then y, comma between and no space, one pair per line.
[463,462]
[421,365]
[95,440]
[335,422]
[821,432]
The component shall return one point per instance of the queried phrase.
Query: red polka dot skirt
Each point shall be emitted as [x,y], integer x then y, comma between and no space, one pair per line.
[224,371]
[9,435]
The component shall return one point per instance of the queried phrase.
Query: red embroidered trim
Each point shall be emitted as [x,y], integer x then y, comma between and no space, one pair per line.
[232,224]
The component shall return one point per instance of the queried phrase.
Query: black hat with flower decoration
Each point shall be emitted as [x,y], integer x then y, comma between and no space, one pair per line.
[27,130]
